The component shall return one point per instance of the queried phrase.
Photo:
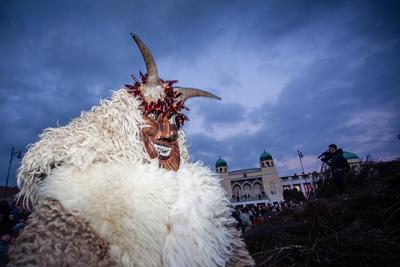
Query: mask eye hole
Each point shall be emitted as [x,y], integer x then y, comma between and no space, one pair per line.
[150,126]
[172,120]
[152,116]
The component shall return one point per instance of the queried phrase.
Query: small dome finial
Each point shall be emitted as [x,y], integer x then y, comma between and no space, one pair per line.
[265,156]
[220,163]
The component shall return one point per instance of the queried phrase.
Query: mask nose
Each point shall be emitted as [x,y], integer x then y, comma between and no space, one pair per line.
[167,131]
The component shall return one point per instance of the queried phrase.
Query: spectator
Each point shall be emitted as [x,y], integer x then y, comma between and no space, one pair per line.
[338,164]
[5,231]
[236,215]
[260,219]
[245,218]
[6,221]
[252,215]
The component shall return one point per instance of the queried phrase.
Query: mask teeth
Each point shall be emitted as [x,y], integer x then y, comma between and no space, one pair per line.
[162,151]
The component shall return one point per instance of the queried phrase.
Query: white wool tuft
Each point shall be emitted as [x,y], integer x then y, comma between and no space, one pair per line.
[109,132]
[185,212]
[199,234]
[155,93]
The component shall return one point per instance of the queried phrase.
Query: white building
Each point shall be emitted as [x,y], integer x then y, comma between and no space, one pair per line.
[251,186]
[263,185]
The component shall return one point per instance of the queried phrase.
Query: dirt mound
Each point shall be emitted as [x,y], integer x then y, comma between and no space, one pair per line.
[358,228]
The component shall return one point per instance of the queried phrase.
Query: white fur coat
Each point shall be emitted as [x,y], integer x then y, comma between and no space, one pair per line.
[98,169]
[150,216]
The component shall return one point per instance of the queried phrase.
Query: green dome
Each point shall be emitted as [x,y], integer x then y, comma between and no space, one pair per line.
[220,163]
[349,155]
[265,156]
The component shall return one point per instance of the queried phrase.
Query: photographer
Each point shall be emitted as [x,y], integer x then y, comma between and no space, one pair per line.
[338,164]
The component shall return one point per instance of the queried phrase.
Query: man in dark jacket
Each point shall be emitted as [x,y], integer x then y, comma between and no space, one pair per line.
[338,164]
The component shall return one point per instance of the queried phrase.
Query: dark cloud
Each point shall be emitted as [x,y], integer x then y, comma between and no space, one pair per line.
[357,109]
[348,96]
[220,113]
[59,58]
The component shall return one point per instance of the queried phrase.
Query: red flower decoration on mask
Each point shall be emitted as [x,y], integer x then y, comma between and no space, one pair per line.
[168,106]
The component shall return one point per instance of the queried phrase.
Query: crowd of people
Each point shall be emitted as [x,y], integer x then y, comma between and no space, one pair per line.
[251,215]
[12,220]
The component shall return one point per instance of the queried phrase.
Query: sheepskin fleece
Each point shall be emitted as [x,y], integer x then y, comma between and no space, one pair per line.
[55,237]
[98,169]
[109,132]
[148,215]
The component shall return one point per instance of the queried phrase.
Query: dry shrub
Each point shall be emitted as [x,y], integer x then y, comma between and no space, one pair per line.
[358,228]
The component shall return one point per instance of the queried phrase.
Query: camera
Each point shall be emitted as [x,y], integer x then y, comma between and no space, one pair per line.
[325,156]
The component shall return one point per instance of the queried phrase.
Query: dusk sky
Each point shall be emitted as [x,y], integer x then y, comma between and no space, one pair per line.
[291,74]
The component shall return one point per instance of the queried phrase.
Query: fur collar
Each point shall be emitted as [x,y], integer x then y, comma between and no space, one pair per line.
[150,216]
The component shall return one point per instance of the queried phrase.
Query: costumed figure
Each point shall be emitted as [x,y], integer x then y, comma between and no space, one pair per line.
[116,187]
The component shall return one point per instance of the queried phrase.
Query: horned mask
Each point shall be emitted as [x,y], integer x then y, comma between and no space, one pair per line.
[162,104]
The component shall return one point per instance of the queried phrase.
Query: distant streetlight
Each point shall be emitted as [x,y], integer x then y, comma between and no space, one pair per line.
[12,155]
[301,162]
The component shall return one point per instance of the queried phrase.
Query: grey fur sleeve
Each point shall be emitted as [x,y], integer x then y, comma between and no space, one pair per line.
[240,255]
[55,237]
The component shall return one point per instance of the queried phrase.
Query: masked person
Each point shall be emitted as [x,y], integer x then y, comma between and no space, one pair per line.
[116,187]
[338,164]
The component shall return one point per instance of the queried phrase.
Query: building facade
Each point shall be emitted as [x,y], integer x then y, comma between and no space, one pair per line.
[306,183]
[251,186]
[263,185]
[353,160]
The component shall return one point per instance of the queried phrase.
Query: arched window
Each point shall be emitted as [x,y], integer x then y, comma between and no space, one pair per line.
[247,189]
[236,191]
[257,189]
[286,187]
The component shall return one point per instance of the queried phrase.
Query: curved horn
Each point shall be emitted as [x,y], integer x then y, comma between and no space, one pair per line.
[151,67]
[193,92]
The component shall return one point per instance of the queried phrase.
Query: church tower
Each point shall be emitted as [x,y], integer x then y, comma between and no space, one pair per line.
[221,166]
[270,178]
[266,160]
